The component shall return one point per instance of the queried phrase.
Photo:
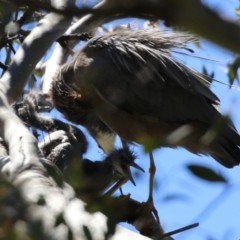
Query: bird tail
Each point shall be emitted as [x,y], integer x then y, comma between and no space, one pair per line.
[226,147]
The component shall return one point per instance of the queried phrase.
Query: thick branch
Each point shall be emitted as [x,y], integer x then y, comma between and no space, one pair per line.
[28,55]
[57,201]
[22,145]
[190,14]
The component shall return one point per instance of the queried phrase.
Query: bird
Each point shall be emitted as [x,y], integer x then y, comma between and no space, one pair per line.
[65,142]
[94,176]
[129,83]
[65,100]
[98,176]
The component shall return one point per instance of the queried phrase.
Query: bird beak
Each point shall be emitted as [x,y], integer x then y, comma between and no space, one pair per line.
[131,178]
[133,164]
[127,172]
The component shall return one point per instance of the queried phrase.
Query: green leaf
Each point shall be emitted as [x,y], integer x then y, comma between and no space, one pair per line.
[6,10]
[206,174]
[70,234]
[87,233]
[232,70]
[59,220]
[237,11]
[175,196]
[111,224]
[149,143]
[41,201]
[207,77]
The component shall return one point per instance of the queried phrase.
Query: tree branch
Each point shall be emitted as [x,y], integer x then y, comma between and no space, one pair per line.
[48,30]
[189,14]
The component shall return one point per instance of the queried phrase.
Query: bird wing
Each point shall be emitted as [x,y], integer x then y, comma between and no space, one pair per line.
[135,75]
[141,76]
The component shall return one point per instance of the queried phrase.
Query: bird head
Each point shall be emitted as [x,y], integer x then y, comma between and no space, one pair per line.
[121,161]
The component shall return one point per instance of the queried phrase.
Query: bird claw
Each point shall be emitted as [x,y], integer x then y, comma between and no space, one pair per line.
[148,207]
[155,214]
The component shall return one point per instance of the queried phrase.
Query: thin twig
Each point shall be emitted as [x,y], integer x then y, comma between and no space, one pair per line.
[3,66]
[75,36]
[180,230]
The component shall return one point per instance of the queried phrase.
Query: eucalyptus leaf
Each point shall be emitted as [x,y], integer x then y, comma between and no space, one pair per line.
[206,174]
